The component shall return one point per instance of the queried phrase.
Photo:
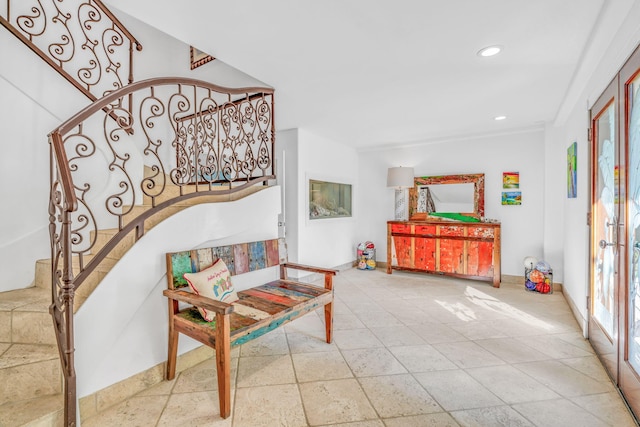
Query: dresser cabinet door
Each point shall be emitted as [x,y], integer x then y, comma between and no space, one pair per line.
[402,246]
[451,250]
[425,248]
[480,254]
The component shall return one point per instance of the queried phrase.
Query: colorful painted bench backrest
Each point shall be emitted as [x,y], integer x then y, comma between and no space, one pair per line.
[239,258]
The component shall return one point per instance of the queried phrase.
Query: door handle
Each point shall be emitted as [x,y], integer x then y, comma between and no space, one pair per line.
[613,225]
[603,244]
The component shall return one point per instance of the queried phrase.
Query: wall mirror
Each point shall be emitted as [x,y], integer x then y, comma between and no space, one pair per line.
[460,194]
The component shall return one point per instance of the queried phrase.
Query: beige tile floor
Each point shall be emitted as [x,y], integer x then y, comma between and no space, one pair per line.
[409,350]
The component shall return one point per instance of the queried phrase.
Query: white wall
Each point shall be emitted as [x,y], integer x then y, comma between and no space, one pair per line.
[287,162]
[611,44]
[163,55]
[122,327]
[329,242]
[326,242]
[522,226]
[33,100]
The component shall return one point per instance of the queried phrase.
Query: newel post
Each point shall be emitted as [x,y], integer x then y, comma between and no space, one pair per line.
[67,338]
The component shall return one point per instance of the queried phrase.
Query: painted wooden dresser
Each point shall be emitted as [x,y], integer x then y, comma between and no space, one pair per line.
[462,249]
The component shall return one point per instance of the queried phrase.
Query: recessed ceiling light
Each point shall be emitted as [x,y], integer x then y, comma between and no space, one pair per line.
[498,118]
[489,51]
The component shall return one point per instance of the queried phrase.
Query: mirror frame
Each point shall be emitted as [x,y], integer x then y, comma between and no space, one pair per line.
[478,186]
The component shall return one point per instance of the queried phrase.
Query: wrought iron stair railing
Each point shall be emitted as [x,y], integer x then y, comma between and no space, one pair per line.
[192,140]
[81,39]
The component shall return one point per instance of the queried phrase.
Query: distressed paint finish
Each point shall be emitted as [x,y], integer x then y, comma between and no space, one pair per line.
[225,253]
[451,250]
[460,249]
[425,249]
[273,253]
[302,289]
[241,258]
[276,289]
[179,264]
[259,303]
[250,256]
[272,325]
[402,245]
[204,257]
[257,255]
[478,186]
[271,297]
[258,310]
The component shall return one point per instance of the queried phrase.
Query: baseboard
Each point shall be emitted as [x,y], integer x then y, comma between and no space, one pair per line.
[119,392]
[578,316]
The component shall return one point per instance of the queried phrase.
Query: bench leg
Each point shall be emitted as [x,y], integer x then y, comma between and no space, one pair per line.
[172,353]
[223,363]
[328,310]
[328,322]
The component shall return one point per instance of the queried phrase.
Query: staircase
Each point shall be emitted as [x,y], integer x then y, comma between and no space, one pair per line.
[30,370]
[195,130]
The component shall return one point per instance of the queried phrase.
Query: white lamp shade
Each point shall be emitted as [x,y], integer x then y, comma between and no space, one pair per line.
[400,177]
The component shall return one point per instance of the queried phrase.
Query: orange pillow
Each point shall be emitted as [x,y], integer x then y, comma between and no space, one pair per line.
[213,282]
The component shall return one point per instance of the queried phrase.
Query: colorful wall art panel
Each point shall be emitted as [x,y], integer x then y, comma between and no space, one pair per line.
[511,197]
[572,173]
[511,180]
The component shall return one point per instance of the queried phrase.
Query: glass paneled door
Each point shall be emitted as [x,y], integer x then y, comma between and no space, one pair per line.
[606,209]
[629,300]
[614,318]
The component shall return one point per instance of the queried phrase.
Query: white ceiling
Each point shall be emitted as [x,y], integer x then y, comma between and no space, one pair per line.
[379,72]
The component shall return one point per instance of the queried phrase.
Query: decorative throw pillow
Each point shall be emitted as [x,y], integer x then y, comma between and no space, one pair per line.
[213,282]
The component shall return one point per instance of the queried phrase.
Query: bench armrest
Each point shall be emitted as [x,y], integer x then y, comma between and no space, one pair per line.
[309,268]
[328,272]
[199,301]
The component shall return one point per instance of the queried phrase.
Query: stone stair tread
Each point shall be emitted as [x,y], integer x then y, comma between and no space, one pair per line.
[24,354]
[20,298]
[105,265]
[40,411]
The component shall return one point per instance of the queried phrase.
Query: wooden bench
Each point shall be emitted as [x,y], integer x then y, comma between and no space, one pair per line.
[280,301]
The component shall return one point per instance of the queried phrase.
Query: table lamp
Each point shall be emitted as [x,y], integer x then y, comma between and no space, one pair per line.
[401,179]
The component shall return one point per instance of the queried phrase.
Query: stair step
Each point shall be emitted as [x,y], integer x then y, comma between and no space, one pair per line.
[42,277]
[28,371]
[44,411]
[25,318]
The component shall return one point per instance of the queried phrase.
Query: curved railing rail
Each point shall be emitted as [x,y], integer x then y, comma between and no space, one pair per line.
[192,139]
[81,39]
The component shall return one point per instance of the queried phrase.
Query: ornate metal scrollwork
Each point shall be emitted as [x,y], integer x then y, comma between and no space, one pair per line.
[182,134]
[81,39]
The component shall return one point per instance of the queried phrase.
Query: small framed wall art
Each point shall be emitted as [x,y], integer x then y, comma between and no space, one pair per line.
[572,171]
[511,180]
[511,197]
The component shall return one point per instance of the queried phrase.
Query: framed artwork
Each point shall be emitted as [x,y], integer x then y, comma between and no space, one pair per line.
[199,57]
[511,180]
[572,172]
[511,197]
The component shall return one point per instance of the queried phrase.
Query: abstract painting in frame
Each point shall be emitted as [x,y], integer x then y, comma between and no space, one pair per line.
[511,180]
[511,197]
[199,57]
[572,171]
